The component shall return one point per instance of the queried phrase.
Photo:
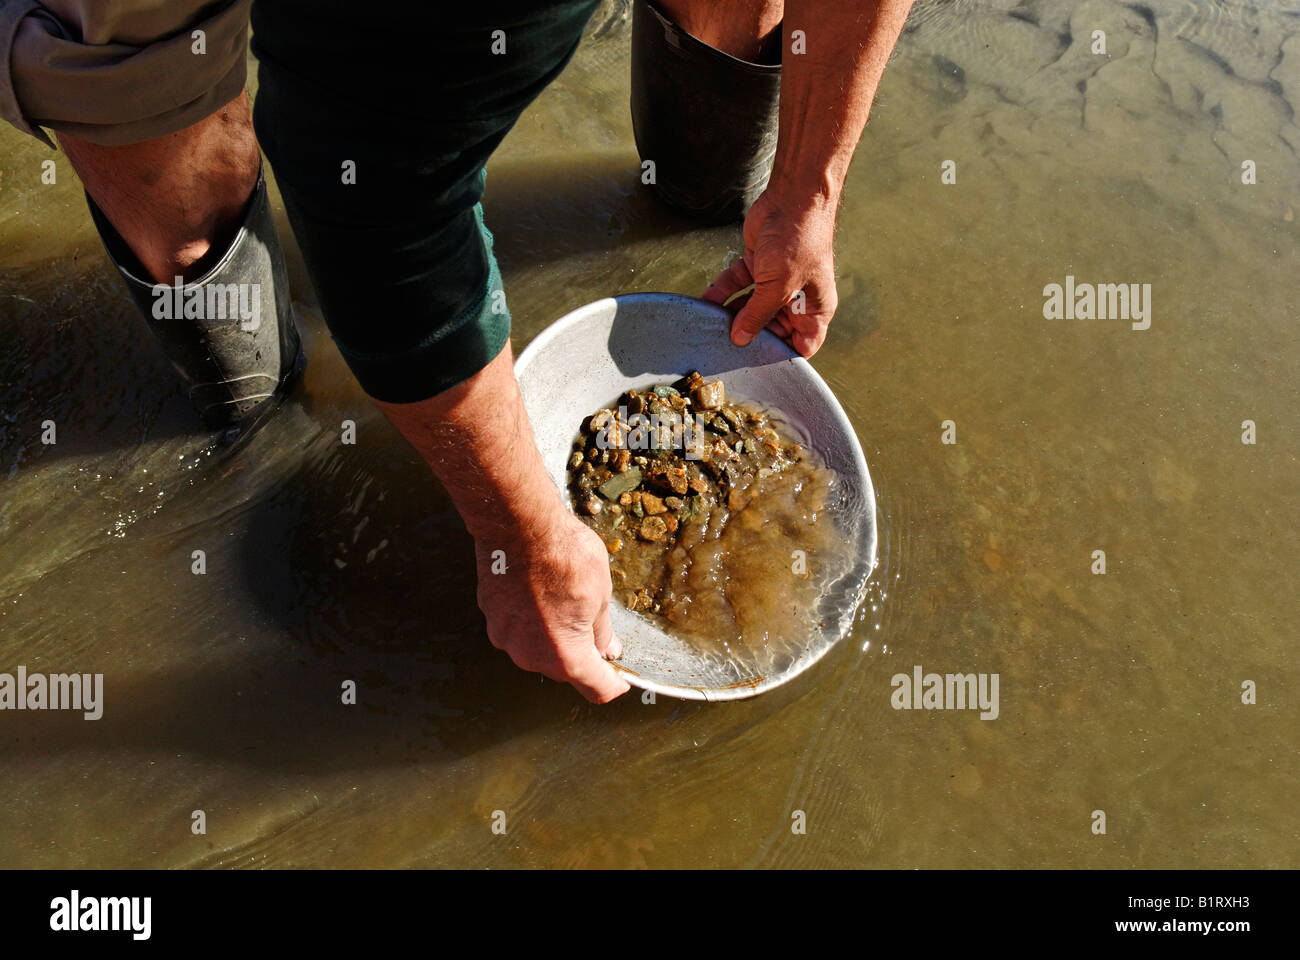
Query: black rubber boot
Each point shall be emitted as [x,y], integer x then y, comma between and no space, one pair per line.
[706,119]
[238,351]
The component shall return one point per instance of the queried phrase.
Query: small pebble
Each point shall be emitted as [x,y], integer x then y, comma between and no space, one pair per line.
[653,529]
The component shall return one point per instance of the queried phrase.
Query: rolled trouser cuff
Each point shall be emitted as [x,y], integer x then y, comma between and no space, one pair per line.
[124,73]
[707,120]
[12,14]
[455,351]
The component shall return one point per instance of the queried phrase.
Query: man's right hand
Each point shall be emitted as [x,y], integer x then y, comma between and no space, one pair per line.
[549,607]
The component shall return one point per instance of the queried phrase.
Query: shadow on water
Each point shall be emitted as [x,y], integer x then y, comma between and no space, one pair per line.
[332,573]
[330,583]
[549,209]
[383,590]
[75,351]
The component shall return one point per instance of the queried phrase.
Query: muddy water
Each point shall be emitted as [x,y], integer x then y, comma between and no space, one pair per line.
[325,563]
[738,556]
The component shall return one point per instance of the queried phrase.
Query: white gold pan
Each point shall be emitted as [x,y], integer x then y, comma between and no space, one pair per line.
[588,357]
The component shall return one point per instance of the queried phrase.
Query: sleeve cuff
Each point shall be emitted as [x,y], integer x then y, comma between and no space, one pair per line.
[12,14]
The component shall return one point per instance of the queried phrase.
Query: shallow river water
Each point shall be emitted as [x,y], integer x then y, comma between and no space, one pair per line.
[1120,692]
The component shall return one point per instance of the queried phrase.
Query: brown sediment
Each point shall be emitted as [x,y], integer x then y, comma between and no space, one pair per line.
[703,521]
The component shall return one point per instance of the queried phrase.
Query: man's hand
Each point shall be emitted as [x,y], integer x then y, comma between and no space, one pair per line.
[549,609]
[826,94]
[790,260]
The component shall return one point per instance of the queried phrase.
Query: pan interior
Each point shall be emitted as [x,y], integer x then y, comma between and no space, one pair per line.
[588,357]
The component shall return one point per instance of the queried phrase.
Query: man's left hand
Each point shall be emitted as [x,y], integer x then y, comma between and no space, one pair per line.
[788,251]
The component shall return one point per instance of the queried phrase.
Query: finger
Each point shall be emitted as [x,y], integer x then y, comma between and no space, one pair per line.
[782,334]
[738,302]
[758,311]
[607,644]
[781,326]
[808,342]
[593,677]
[728,283]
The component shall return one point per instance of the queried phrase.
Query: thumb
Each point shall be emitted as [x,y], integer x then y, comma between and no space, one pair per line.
[594,677]
[762,305]
[607,645]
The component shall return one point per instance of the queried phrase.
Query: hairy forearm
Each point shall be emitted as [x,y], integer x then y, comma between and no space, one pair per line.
[550,611]
[477,439]
[826,91]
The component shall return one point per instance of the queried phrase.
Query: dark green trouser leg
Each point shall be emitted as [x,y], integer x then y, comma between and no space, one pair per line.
[379,129]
